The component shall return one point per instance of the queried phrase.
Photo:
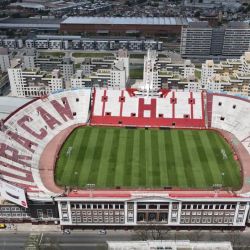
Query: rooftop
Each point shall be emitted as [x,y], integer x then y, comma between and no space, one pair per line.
[199,24]
[242,25]
[3,51]
[129,20]
[30,23]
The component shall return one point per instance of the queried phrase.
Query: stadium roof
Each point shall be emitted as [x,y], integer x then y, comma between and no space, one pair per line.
[129,20]
[9,104]
[30,23]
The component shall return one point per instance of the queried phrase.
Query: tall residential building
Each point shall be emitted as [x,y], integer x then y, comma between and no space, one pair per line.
[188,69]
[120,70]
[245,64]
[118,77]
[196,39]
[236,39]
[122,55]
[67,69]
[33,82]
[199,40]
[207,71]
[29,59]
[4,59]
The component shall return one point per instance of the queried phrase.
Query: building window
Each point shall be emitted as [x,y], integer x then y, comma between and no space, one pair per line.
[141,206]
[39,213]
[151,206]
[49,213]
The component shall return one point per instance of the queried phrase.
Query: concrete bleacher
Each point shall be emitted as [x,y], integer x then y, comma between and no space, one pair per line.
[26,133]
[232,114]
[173,109]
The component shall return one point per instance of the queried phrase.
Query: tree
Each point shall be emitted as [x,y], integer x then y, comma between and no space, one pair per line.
[197,14]
[151,232]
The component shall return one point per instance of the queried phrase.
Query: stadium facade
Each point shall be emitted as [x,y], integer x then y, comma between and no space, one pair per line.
[32,136]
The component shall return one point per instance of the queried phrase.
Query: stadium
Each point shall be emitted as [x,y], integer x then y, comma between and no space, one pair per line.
[117,158]
[124,25]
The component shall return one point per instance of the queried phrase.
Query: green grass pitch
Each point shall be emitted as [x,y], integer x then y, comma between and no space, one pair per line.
[139,158]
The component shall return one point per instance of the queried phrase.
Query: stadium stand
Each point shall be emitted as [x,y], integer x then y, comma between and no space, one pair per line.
[170,109]
[232,114]
[22,142]
[27,132]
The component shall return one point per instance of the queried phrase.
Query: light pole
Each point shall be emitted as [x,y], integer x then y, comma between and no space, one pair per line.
[222,179]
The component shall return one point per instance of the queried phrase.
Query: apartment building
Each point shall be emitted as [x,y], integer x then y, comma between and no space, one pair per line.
[78,79]
[109,72]
[65,42]
[207,71]
[4,60]
[118,77]
[68,69]
[232,75]
[33,82]
[196,39]
[236,39]
[29,59]
[199,40]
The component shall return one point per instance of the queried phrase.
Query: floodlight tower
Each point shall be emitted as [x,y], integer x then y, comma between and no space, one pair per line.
[150,73]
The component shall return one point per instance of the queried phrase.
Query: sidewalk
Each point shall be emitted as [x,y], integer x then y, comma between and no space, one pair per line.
[28,227]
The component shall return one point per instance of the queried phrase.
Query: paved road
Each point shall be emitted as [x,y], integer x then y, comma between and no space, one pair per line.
[92,240]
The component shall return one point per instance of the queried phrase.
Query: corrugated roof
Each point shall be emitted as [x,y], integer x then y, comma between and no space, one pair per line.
[129,20]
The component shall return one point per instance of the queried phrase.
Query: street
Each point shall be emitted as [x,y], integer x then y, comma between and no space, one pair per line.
[90,239]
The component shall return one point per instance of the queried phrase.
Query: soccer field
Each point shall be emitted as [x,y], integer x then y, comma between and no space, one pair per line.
[140,158]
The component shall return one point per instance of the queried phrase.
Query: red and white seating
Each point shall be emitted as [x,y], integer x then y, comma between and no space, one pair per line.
[232,114]
[170,109]
[27,131]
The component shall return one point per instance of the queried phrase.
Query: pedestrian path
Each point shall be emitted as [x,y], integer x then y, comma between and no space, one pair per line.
[28,227]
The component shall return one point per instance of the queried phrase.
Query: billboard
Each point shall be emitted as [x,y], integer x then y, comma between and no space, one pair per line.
[12,193]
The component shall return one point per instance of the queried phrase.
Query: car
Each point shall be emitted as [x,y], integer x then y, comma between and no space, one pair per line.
[102,232]
[66,231]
